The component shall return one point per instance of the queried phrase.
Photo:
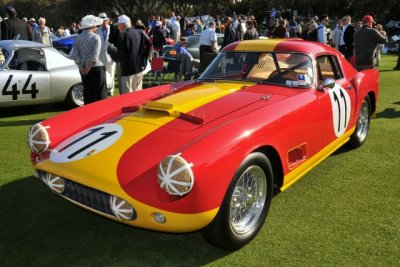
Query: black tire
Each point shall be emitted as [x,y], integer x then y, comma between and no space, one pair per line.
[225,230]
[75,95]
[360,134]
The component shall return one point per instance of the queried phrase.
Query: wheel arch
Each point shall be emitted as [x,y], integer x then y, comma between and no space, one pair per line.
[372,99]
[272,154]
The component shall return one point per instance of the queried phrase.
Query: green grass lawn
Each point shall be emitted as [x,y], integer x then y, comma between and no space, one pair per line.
[345,212]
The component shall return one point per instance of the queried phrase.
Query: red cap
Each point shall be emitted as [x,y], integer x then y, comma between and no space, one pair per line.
[367,19]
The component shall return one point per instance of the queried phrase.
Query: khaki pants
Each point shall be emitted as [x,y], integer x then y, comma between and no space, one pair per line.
[131,83]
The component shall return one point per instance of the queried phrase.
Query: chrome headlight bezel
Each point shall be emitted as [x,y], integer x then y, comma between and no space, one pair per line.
[38,138]
[175,175]
[54,182]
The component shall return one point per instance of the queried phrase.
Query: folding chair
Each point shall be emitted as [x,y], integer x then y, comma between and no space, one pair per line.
[157,66]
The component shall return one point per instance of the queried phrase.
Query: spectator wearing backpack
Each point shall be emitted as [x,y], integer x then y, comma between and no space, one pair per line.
[321,29]
[346,41]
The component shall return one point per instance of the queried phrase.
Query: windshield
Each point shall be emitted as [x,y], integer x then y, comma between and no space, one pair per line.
[287,69]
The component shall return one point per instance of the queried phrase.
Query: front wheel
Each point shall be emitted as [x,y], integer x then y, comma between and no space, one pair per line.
[359,136]
[75,95]
[245,206]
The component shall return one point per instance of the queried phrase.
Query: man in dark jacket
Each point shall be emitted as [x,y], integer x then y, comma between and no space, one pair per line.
[229,34]
[365,41]
[158,37]
[346,40]
[133,49]
[114,32]
[14,27]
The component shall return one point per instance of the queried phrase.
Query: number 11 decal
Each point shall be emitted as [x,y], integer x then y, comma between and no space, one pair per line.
[341,106]
[87,143]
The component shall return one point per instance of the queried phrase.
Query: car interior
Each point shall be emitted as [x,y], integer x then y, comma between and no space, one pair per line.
[28,59]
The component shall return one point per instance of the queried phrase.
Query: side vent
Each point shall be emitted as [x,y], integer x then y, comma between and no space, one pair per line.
[297,155]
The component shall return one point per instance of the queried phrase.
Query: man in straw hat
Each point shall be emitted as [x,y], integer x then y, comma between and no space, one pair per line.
[184,57]
[86,53]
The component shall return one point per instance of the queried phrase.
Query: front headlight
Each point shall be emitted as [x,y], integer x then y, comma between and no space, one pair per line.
[175,175]
[38,138]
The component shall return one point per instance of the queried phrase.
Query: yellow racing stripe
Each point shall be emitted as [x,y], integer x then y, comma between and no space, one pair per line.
[258,45]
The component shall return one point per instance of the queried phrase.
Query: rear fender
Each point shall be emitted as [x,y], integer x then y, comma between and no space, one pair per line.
[365,83]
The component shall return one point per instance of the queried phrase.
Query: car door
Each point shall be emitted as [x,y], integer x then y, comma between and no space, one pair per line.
[337,103]
[25,79]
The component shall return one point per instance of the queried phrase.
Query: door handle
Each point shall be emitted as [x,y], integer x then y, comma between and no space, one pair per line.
[350,87]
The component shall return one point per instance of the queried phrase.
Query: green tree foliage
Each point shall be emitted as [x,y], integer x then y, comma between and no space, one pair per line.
[64,12]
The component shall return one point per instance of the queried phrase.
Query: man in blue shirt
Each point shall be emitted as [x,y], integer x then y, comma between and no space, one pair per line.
[321,30]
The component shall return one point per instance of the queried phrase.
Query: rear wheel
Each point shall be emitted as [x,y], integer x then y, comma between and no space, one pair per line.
[359,136]
[75,95]
[245,206]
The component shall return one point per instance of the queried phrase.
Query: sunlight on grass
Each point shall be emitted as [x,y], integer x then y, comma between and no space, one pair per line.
[345,212]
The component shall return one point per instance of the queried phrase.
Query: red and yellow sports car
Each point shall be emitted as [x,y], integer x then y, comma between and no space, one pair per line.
[206,154]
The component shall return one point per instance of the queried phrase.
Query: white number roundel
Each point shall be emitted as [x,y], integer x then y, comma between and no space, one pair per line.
[87,143]
[341,107]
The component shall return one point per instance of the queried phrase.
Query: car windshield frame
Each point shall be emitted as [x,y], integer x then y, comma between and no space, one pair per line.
[290,69]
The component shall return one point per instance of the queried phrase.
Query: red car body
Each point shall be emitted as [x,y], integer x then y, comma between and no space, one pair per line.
[214,125]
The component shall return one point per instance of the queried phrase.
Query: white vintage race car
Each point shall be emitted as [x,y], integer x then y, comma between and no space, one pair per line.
[33,73]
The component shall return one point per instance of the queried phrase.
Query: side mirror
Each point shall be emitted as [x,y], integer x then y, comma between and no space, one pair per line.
[328,83]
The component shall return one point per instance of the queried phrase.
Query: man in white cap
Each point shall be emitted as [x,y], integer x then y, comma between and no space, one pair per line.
[86,53]
[33,24]
[133,50]
[104,32]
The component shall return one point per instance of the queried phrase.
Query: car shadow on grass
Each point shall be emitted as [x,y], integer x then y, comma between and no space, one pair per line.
[39,228]
[388,113]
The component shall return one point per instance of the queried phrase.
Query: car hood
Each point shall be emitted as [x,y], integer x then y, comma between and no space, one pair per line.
[199,104]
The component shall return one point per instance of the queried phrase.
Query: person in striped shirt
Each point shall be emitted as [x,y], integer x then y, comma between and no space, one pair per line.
[86,53]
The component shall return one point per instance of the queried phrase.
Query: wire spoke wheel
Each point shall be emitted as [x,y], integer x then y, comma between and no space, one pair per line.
[360,134]
[363,121]
[248,200]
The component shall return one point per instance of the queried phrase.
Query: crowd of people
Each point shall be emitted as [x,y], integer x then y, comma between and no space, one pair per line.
[104,40]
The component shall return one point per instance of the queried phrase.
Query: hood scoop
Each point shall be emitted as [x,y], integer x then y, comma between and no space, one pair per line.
[198,105]
[171,111]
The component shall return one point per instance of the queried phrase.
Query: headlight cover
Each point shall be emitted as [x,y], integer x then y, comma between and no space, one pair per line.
[175,175]
[38,138]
